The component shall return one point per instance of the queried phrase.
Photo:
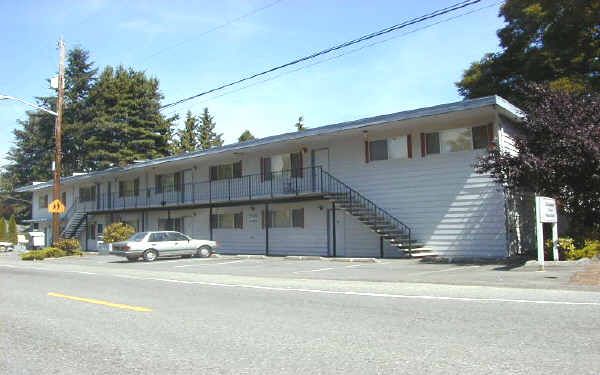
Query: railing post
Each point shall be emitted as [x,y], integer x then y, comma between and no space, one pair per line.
[271,180]
[210,191]
[321,168]
[249,187]
[296,184]
[229,189]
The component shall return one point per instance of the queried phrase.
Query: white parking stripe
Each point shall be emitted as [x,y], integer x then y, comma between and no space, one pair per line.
[208,264]
[319,270]
[450,269]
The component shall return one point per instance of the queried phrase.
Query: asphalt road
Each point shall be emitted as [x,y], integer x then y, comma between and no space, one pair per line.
[175,321]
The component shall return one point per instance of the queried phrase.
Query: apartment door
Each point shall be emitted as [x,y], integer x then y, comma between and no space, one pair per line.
[320,159]
[340,225]
[187,188]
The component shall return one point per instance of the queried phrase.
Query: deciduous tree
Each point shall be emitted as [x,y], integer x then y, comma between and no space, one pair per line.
[544,41]
[558,151]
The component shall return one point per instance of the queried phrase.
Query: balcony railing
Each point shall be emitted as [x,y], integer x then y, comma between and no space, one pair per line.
[278,184]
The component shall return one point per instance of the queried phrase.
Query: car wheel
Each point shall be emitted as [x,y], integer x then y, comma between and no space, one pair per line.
[132,259]
[204,252]
[150,255]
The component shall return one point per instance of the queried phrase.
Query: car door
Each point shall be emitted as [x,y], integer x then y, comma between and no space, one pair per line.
[183,242]
[158,241]
[177,243]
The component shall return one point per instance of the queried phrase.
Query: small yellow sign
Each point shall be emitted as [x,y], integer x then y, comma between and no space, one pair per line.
[56,207]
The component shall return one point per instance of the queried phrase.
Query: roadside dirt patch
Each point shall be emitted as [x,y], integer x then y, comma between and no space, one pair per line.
[589,276]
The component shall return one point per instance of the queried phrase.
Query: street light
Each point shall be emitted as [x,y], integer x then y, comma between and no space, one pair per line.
[7,97]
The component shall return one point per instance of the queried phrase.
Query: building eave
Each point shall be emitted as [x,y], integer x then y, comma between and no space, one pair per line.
[463,105]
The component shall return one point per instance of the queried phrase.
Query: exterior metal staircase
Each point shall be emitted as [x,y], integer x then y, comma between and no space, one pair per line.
[75,222]
[388,227]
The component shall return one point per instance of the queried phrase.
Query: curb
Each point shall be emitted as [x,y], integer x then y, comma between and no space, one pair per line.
[353,260]
[303,257]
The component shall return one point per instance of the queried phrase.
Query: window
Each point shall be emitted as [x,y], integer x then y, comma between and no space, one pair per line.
[228,220]
[286,218]
[390,148]
[166,183]
[100,229]
[482,135]
[129,188]
[460,139]
[43,201]
[225,171]
[158,237]
[171,224]
[173,236]
[282,163]
[87,194]
[453,140]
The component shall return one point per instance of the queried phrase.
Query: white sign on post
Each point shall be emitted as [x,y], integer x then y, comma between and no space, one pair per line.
[545,209]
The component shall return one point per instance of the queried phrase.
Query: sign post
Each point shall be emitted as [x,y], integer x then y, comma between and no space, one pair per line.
[545,209]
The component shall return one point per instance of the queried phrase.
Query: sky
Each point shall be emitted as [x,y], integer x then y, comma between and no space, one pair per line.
[193,46]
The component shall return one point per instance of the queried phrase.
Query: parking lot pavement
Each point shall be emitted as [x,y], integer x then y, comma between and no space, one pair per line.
[384,270]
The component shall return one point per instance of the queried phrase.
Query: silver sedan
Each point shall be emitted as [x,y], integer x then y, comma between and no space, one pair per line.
[151,245]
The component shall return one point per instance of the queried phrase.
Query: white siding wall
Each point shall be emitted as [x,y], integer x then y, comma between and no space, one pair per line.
[448,205]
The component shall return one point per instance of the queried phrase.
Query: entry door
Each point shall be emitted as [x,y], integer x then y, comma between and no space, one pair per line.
[320,159]
[340,238]
[188,191]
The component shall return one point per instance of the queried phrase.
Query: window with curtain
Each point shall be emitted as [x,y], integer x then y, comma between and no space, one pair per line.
[228,220]
[225,171]
[129,188]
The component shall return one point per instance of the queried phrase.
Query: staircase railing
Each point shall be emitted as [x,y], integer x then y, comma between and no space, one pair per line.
[68,215]
[332,185]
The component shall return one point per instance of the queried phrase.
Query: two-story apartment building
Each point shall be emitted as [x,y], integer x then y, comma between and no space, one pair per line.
[389,186]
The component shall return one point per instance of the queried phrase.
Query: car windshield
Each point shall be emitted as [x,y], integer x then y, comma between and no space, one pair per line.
[138,237]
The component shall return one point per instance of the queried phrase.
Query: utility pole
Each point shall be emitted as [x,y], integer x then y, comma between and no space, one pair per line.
[58,137]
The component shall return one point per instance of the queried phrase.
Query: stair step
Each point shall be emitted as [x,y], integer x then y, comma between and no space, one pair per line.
[413,245]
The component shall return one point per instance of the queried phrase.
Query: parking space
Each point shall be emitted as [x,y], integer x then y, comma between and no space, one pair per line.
[386,270]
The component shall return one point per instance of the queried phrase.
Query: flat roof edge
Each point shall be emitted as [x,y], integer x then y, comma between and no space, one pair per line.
[463,105]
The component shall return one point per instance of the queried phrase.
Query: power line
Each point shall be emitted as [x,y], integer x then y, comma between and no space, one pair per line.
[390,29]
[347,53]
[227,23]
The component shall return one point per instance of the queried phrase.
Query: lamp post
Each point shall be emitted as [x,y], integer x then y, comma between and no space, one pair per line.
[57,132]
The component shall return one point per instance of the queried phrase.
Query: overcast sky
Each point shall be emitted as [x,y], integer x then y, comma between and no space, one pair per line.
[185,45]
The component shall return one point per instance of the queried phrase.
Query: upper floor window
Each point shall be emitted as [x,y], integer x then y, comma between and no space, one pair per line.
[43,201]
[460,139]
[225,171]
[129,188]
[87,194]
[228,220]
[276,164]
[389,148]
[166,183]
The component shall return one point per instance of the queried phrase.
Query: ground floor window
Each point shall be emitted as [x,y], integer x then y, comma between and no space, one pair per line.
[170,224]
[286,218]
[228,221]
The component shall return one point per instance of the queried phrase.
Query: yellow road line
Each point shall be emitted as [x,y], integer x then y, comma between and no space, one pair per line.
[99,302]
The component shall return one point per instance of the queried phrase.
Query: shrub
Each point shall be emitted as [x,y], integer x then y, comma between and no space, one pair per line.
[70,245]
[590,250]
[116,232]
[12,230]
[49,252]
[566,246]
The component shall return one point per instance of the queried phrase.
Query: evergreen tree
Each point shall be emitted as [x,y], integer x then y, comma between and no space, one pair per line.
[80,75]
[3,230]
[300,124]
[207,137]
[12,230]
[545,41]
[188,136]
[126,123]
[246,136]
[32,155]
